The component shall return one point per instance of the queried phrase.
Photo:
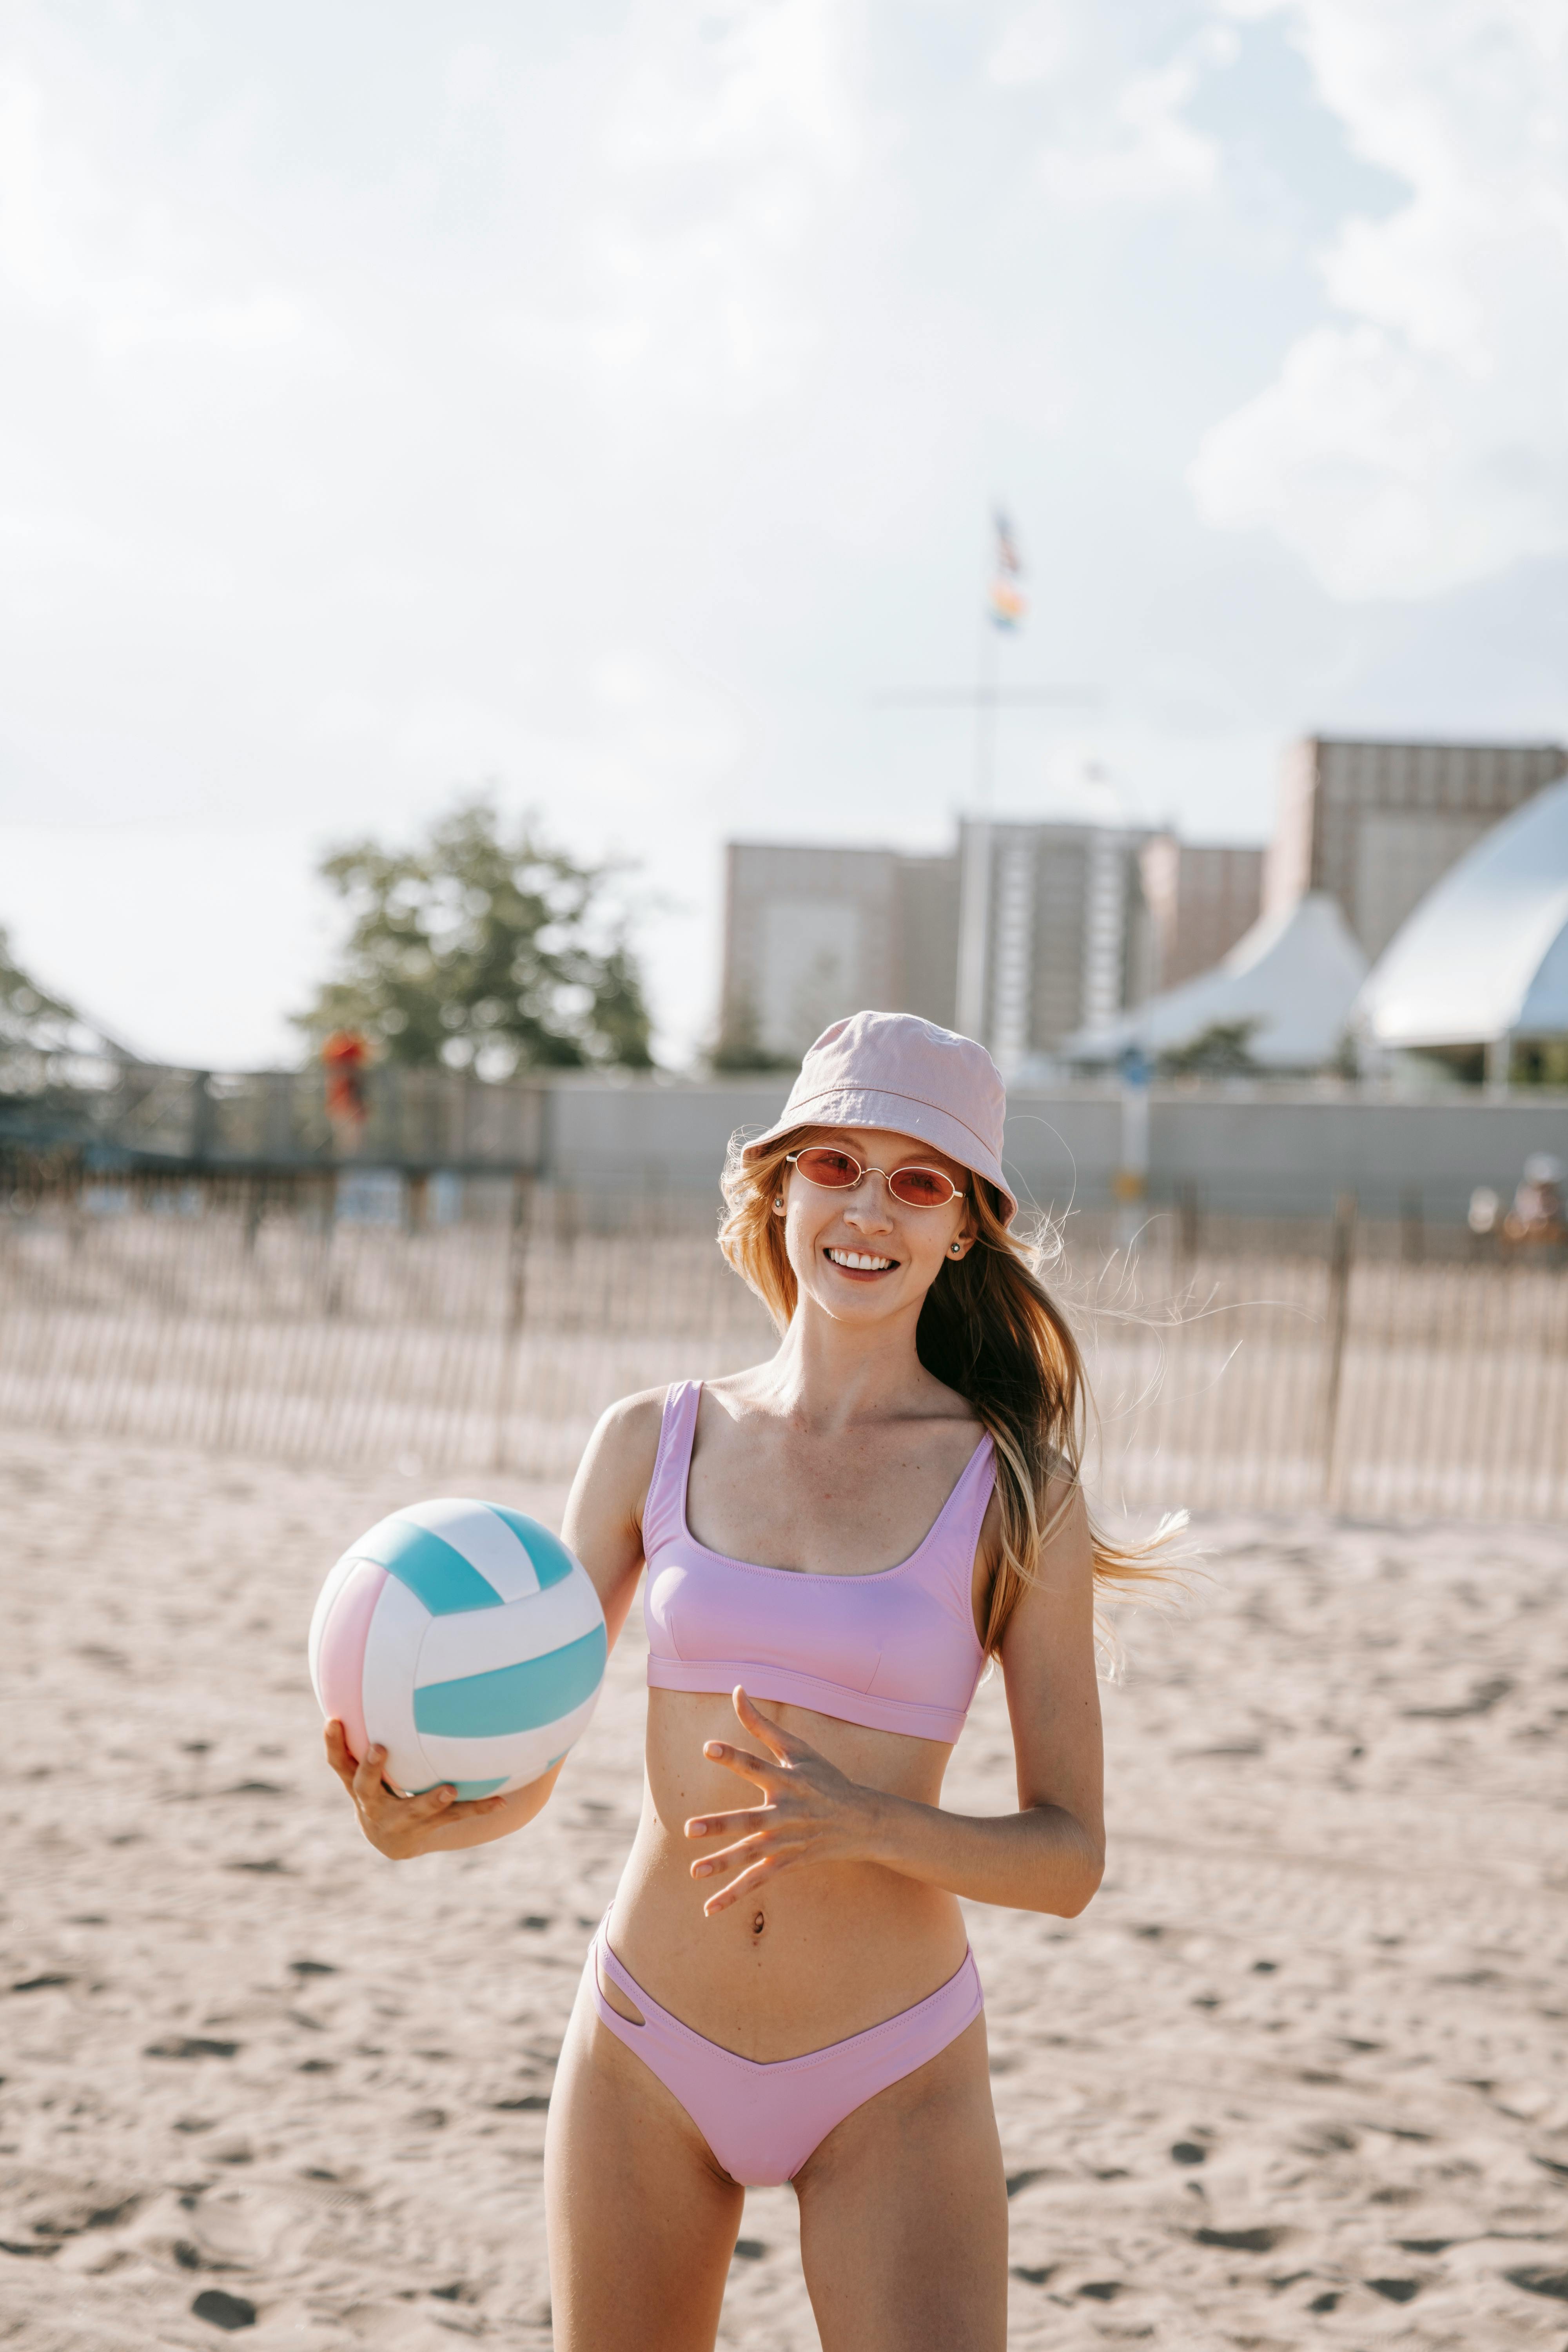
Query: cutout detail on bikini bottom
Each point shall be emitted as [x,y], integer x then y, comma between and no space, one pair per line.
[613,1994]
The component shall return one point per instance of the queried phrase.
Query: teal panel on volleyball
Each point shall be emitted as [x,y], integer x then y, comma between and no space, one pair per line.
[465,1639]
[550,1559]
[490,1704]
[430,1567]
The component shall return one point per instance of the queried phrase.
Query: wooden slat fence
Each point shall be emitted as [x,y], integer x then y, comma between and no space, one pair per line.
[1276,1370]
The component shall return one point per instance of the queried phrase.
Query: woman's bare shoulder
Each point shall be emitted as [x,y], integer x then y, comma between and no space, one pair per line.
[605,1505]
[625,1437]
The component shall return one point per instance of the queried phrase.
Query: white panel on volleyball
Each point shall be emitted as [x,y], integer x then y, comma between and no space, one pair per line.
[478,1641]
[485,1541]
[518,1756]
[391,1650]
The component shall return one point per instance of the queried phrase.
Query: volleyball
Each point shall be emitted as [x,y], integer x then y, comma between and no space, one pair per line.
[465,1639]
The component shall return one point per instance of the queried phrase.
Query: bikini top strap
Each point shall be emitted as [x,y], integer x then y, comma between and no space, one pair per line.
[949,1559]
[664,1513]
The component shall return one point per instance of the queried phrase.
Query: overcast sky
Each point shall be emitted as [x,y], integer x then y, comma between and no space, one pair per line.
[607,401]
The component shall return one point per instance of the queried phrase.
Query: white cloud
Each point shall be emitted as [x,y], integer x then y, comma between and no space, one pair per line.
[728,146]
[258,323]
[1422,443]
[126,277]
[1033,44]
[473,76]
[1140,149]
[660,721]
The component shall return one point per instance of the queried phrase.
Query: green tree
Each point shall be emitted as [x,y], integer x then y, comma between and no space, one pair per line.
[740,1046]
[483,949]
[1219,1052]
[33,1024]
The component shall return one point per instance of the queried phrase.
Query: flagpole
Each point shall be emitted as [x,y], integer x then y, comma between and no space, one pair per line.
[1001,613]
[1003,609]
[985,700]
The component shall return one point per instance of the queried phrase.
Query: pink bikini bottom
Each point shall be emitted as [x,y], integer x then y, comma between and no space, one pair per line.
[762,2121]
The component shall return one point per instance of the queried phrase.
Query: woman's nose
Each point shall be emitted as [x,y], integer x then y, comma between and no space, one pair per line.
[868,1204]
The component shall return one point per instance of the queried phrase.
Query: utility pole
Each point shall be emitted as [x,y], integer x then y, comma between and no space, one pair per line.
[1001,614]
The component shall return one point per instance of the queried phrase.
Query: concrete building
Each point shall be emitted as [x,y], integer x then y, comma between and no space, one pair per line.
[1053,935]
[1202,897]
[1377,824]
[812,933]
[1030,931]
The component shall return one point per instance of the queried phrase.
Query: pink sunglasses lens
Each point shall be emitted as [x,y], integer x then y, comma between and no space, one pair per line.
[921,1188]
[835,1170]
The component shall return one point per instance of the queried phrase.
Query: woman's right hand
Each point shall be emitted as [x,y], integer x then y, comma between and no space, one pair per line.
[402,1827]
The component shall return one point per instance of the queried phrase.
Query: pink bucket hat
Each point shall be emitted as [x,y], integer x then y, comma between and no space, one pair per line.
[894,1070]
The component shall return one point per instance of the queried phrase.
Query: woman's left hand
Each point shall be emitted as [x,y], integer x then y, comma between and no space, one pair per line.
[812,1813]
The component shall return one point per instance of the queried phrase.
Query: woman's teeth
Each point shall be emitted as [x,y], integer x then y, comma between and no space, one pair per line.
[859,1262]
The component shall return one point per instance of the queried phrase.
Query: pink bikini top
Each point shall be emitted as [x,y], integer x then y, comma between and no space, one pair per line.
[896,1651]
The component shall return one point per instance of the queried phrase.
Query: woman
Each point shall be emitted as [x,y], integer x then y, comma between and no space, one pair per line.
[833,1542]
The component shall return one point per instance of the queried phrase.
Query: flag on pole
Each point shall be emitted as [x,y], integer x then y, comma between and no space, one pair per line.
[1006,602]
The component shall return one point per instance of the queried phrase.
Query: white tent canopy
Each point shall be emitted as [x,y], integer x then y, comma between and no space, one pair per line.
[1485,955]
[1293,977]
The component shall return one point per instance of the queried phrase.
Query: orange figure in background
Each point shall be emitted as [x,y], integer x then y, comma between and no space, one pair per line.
[344,1058]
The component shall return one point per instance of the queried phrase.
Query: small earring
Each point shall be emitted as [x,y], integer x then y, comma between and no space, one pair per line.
[955,1249]
[778,1200]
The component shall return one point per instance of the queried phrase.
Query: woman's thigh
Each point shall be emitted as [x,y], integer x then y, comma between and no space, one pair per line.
[642,2223]
[903,2215]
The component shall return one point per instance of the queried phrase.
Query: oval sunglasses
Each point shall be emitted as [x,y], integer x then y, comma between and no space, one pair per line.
[840,1171]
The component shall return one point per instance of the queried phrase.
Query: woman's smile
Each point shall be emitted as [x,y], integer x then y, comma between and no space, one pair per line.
[860,1261]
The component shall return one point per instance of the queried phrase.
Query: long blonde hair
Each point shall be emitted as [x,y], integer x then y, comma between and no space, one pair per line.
[989,1329]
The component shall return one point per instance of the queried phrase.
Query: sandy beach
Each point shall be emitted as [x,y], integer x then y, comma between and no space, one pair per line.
[1295,2078]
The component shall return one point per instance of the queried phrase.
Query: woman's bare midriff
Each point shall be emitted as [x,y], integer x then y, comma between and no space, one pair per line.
[814,1954]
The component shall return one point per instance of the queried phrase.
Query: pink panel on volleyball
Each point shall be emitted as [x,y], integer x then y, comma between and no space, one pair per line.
[340,1666]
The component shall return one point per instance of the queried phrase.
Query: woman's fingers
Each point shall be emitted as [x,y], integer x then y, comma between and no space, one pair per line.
[784,1743]
[447,1805]
[374,1798]
[367,1781]
[788,1752]
[722,1864]
[748,1822]
[737,1862]
[718,1824]
[762,1770]
[338,1756]
[747,1882]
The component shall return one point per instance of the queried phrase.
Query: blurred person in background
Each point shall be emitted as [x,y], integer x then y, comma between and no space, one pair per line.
[344,1057]
[1536,1217]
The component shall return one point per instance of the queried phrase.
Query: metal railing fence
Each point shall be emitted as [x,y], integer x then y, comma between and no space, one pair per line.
[1233,1365]
[144,1111]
